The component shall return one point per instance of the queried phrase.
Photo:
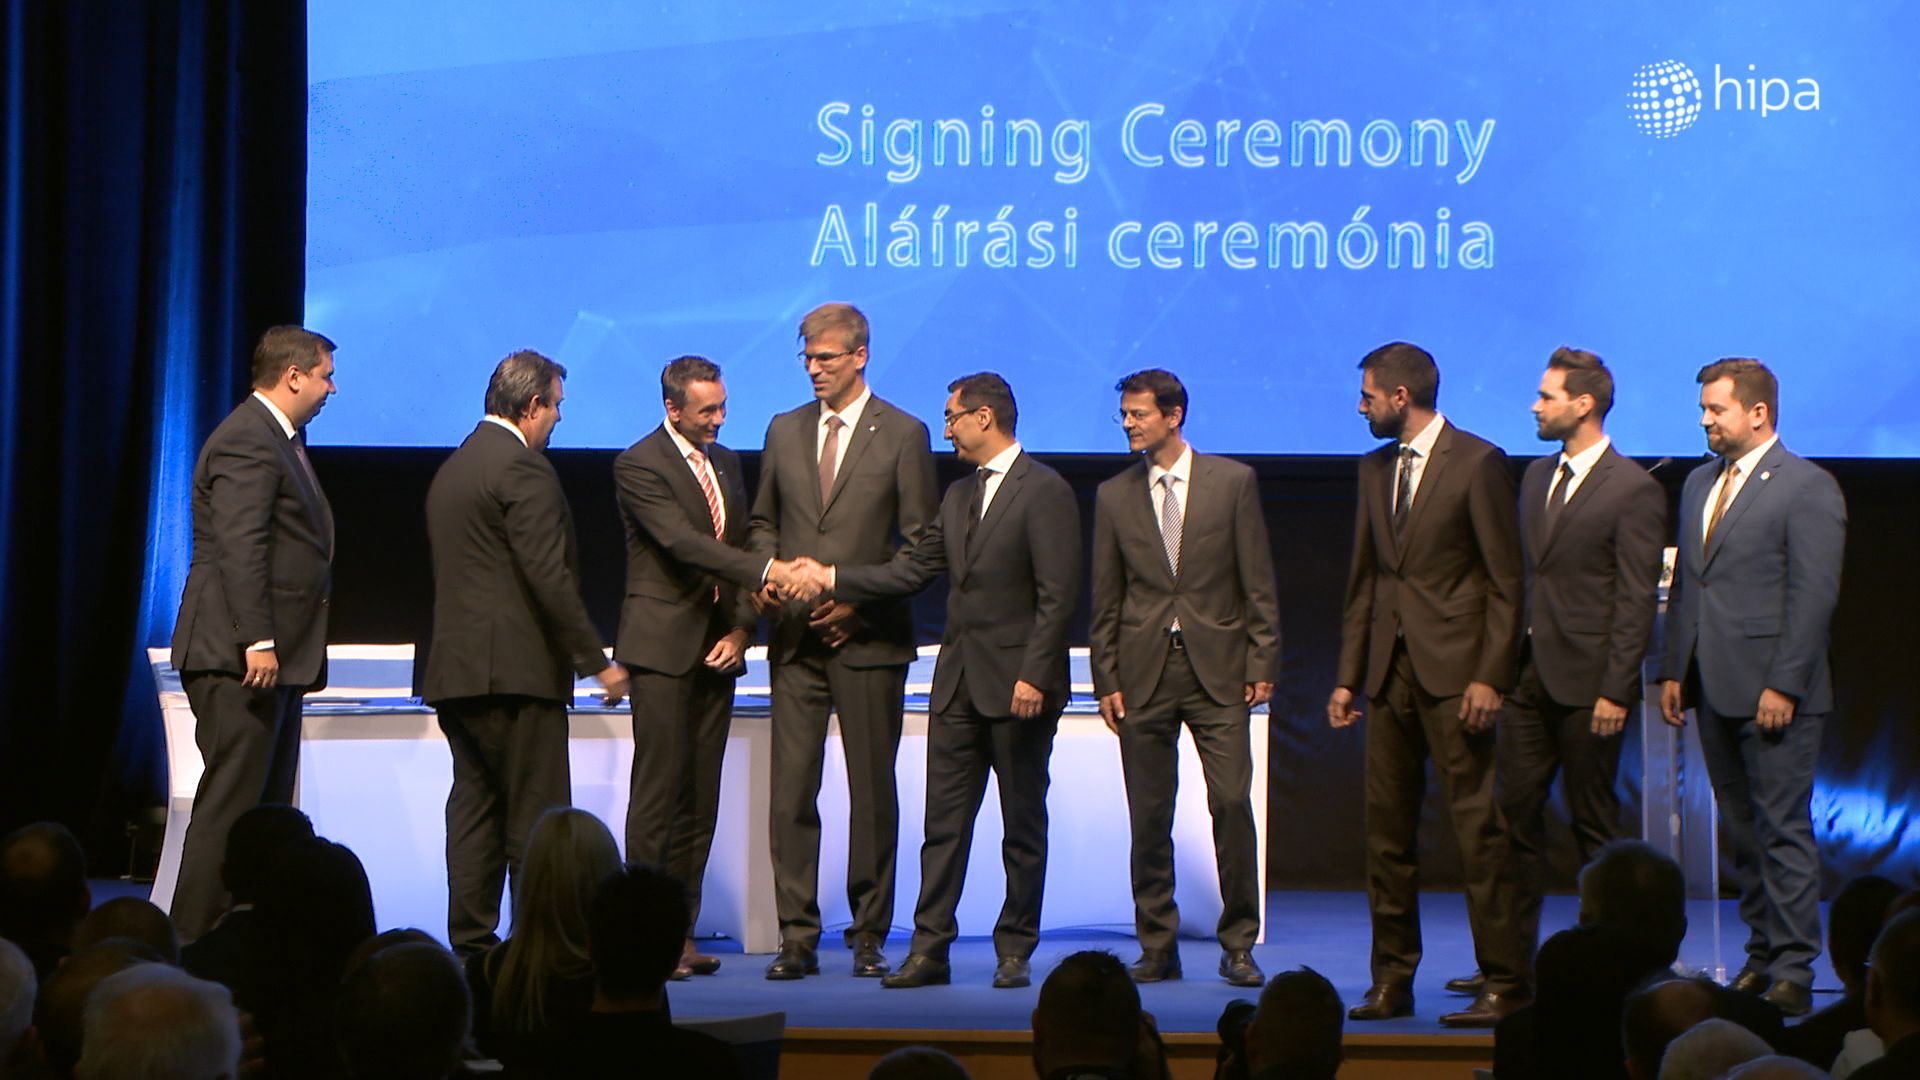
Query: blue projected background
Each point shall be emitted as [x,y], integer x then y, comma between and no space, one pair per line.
[1253,195]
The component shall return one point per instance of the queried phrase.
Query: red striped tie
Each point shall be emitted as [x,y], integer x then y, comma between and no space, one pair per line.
[713,500]
[706,488]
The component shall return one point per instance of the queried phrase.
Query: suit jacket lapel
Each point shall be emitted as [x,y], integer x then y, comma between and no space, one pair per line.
[1583,496]
[1751,491]
[686,487]
[733,495]
[1000,507]
[306,484]
[861,434]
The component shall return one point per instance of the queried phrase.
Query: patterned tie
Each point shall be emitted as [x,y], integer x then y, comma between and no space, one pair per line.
[829,453]
[1403,491]
[706,488]
[1720,504]
[1170,524]
[1557,498]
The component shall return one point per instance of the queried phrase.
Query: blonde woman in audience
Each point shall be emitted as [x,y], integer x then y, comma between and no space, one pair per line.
[542,976]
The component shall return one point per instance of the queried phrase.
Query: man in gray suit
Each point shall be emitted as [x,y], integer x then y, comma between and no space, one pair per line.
[509,634]
[1762,534]
[251,638]
[846,479]
[1591,527]
[1185,630]
[1008,538]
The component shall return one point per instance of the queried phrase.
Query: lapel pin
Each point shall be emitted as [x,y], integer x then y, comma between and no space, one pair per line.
[1765,475]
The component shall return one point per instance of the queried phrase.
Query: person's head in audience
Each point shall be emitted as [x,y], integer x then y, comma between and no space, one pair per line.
[1655,1015]
[1640,893]
[1777,1067]
[1893,979]
[155,1022]
[1854,919]
[386,939]
[1296,1027]
[254,843]
[18,1052]
[569,853]
[1709,1050]
[403,1014]
[318,906]
[635,928]
[130,917]
[60,1014]
[918,1063]
[1582,976]
[43,891]
[1088,1015]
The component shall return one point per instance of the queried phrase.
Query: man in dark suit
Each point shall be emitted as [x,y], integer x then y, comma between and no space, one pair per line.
[1185,629]
[1762,532]
[1431,637]
[509,633]
[251,639]
[1008,538]
[684,625]
[1591,527]
[848,480]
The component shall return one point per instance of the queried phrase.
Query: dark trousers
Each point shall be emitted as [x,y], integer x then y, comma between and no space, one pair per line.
[1407,726]
[250,742]
[868,701]
[1763,782]
[1539,737]
[1150,765]
[509,767]
[962,746]
[679,743]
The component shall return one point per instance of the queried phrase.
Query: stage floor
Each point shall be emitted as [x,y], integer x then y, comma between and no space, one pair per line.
[1327,931]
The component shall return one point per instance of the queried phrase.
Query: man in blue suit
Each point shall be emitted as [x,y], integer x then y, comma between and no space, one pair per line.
[1762,533]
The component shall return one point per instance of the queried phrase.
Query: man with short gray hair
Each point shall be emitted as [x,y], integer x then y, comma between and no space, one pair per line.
[154,1022]
[509,633]
[1709,1049]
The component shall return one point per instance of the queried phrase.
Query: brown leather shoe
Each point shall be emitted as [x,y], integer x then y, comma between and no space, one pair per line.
[1383,1002]
[1485,1011]
[697,962]
[1749,981]
[1791,999]
[1470,985]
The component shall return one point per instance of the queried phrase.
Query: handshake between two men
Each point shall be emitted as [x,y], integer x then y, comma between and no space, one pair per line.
[804,581]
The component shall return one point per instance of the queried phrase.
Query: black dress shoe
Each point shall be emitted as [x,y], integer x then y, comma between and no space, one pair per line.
[1470,985]
[919,971]
[1749,981]
[793,962]
[697,962]
[868,961]
[1791,999]
[1485,1011]
[1155,966]
[1383,1002]
[1238,968]
[1012,973]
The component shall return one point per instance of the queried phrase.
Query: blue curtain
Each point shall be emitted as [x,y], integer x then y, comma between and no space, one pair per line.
[151,224]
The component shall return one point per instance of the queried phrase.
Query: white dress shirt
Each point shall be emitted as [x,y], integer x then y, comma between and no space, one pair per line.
[996,471]
[510,426]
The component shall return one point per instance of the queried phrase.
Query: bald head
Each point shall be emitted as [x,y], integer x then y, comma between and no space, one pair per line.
[130,917]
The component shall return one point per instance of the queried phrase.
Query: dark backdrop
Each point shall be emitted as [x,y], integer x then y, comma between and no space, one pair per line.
[152,166]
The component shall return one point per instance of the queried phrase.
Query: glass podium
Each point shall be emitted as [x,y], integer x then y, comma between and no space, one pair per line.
[1677,812]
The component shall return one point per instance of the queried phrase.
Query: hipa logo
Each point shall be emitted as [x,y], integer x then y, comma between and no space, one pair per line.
[1667,97]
